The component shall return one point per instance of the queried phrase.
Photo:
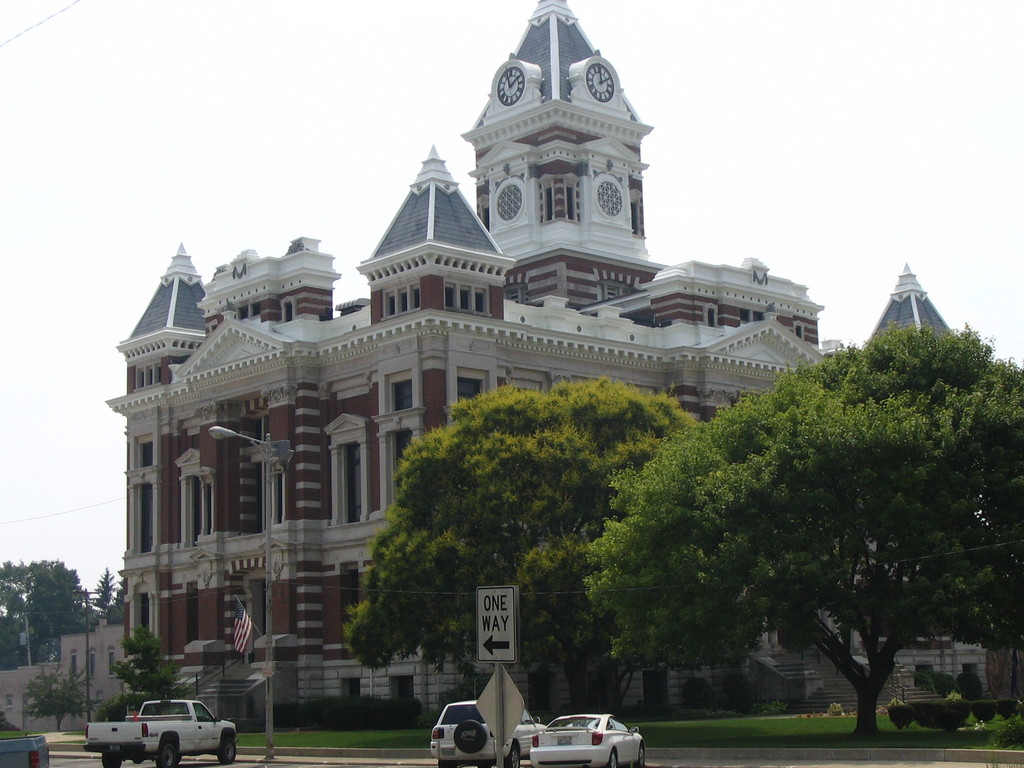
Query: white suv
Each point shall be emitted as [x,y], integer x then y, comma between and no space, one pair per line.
[461,737]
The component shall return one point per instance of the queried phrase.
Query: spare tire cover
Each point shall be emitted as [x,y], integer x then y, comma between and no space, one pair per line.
[470,736]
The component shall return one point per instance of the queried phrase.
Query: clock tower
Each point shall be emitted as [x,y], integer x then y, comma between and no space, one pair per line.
[559,179]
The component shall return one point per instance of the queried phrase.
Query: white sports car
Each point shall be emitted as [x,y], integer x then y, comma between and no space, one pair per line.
[588,740]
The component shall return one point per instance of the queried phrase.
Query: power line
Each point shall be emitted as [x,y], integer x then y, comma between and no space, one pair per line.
[39,23]
[65,512]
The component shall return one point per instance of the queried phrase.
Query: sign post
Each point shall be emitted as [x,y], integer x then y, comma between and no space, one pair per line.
[497,641]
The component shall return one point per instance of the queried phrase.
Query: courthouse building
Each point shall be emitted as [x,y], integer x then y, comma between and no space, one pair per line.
[537,273]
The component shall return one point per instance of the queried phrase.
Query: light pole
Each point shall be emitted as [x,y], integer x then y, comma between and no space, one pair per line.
[276,455]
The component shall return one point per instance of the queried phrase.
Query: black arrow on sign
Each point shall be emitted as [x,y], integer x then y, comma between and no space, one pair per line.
[490,644]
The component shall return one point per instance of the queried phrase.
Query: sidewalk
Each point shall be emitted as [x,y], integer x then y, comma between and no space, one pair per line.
[70,745]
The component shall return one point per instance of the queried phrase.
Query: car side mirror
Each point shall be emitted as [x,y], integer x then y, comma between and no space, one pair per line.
[536,719]
[634,729]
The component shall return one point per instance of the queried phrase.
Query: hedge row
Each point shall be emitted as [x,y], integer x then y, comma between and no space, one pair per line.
[350,713]
[951,714]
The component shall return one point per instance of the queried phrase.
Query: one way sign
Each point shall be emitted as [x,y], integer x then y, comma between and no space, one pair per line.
[497,624]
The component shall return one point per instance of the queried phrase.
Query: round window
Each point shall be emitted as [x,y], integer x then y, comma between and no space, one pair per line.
[510,202]
[609,198]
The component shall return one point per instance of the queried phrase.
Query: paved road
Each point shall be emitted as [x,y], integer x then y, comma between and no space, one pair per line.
[66,757]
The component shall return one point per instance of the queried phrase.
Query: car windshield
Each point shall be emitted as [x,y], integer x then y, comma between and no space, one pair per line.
[456,713]
[575,722]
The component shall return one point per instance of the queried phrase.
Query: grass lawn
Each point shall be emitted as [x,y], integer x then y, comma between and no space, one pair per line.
[740,732]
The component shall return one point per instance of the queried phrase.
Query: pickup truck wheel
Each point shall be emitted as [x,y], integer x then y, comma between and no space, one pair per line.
[227,751]
[167,756]
[110,761]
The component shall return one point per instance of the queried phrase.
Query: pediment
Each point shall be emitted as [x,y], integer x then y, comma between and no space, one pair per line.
[767,343]
[188,458]
[231,344]
[349,427]
[503,151]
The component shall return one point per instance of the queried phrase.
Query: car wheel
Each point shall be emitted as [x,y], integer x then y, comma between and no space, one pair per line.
[446,764]
[641,757]
[227,751]
[110,761]
[613,759]
[512,759]
[167,756]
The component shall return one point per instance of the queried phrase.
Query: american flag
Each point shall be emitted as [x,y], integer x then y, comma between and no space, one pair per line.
[243,628]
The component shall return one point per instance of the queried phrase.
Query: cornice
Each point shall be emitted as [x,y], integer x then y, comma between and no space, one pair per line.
[554,114]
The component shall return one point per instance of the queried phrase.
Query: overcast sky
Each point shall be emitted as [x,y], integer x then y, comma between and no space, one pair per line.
[835,141]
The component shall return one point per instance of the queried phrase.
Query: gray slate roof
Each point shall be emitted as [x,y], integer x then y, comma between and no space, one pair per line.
[435,211]
[910,307]
[176,301]
[555,54]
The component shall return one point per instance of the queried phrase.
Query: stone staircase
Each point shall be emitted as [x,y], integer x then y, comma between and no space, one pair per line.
[233,691]
[814,684]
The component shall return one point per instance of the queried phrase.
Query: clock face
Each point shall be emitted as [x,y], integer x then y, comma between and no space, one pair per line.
[511,85]
[600,82]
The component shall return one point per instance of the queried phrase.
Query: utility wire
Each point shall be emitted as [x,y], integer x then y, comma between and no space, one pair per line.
[39,23]
[65,512]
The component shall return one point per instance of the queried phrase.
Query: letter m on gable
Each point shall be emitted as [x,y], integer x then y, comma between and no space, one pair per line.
[237,272]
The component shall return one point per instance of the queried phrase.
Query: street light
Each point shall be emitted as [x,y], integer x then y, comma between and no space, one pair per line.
[276,455]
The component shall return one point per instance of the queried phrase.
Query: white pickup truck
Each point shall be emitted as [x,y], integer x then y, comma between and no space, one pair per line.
[163,731]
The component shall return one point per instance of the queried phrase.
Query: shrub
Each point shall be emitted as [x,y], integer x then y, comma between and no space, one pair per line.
[311,713]
[1012,734]
[942,683]
[926,712]
[947,714]
[923,679]
[697,694]
[118,707]
[901,715]
[360,713]
[1007,707]
[970,685]
[286,715]
[835,709]
[984,710]
[770,708]
[739,693]
[949,718]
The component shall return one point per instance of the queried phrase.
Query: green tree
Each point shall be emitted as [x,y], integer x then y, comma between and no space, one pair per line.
[875,496]
[49,596]
[108,598]
[52,693]
[145,670]
[511,492]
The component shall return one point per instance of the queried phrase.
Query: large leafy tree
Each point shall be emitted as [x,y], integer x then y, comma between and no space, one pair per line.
[54,693]
[49,596]
[861,504]
[511,492]
[146,670]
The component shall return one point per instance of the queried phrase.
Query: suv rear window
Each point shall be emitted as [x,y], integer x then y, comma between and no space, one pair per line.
[456,713]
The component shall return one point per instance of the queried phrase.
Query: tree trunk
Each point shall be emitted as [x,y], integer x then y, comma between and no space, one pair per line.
[867,682]
[867,690]
[576,676]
